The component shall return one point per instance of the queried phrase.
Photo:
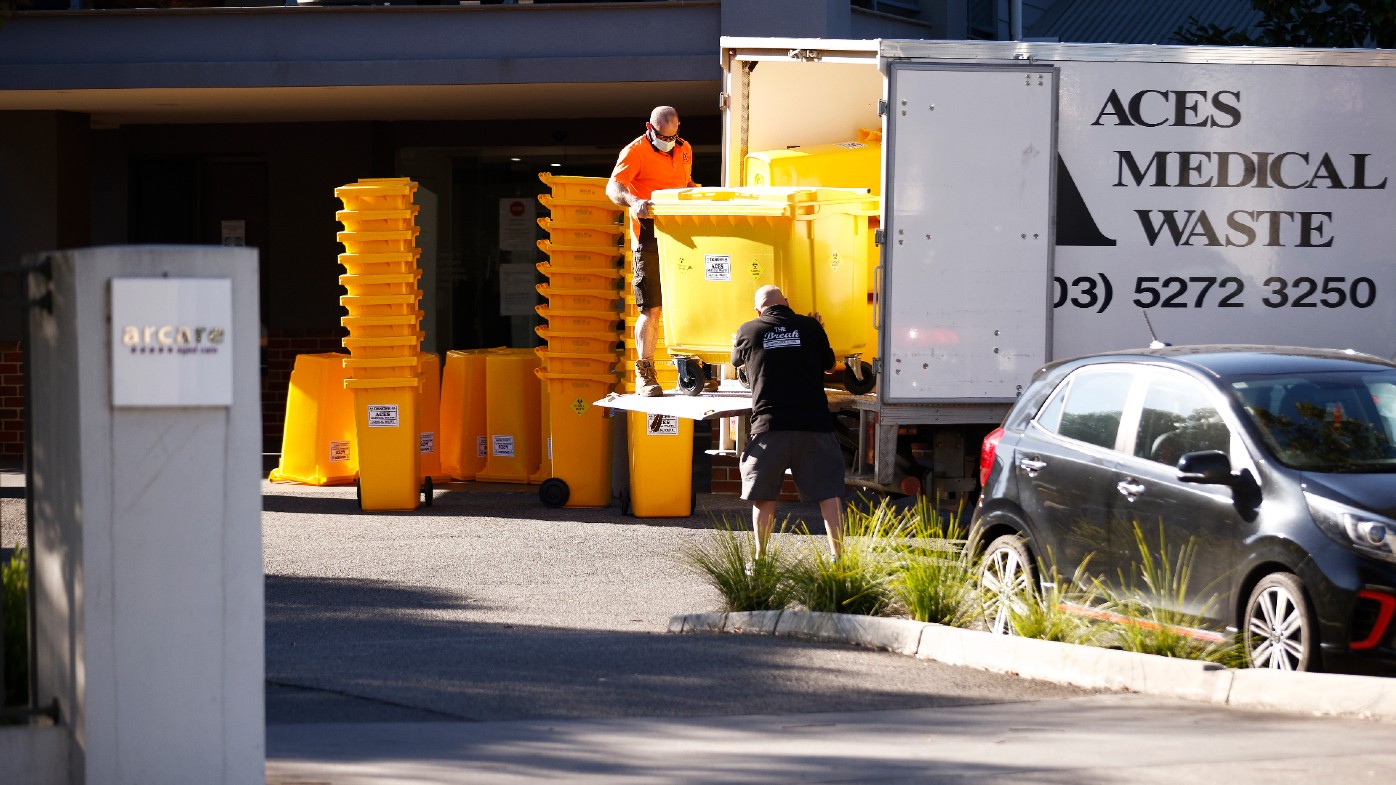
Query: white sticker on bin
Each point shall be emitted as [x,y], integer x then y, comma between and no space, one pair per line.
[382,415]
[482,447]
[662,425]
[428,444]
[717,267]
[503,446]
[339,452]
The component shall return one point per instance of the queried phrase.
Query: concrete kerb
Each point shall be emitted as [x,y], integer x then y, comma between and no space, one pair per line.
[1362,697]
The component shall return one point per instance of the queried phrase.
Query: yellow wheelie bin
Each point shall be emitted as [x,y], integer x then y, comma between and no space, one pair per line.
[317,444]
[581,440]
[513,416]
[661,466]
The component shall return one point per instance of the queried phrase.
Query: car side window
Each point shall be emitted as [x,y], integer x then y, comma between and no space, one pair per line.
[1178,417]
[1090,407]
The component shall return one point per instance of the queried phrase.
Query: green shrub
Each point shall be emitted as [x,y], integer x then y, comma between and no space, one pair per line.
[14,598]
[860,580]
[728,561]
[1054,611]
[936,576]
[1149,596]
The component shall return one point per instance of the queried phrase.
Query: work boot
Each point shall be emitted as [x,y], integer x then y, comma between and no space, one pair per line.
[645,382]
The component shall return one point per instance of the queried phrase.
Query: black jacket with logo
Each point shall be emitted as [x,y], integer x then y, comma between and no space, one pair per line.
[785,355]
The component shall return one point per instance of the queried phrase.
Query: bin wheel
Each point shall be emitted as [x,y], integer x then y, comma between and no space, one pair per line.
[427,495]
[625,503]
[691,380]
[554,492]
[856,385]
[359,493]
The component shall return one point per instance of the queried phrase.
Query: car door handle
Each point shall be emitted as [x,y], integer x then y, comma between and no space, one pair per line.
[1031,466]
[1129,489]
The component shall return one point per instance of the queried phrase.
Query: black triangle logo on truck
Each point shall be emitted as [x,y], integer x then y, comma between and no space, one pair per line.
[1075,225]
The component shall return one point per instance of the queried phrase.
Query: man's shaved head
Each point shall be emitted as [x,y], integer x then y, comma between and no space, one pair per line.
[769,295]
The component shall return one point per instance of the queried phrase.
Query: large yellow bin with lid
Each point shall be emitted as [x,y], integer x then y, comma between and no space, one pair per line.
[513,416]
[429,424]
[463,438]
[581,440]
[661,466]
[717,246]
[386,432]
[317,445]
[853,164]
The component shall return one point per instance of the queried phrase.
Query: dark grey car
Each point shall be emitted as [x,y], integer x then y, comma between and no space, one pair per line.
[1276,464]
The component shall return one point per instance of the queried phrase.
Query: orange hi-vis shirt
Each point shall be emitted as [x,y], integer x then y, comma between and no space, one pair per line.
[644,170]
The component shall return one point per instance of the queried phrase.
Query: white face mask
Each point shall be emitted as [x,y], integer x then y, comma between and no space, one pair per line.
[663,146]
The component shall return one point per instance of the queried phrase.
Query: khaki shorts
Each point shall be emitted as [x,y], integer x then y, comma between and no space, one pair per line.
[813,458]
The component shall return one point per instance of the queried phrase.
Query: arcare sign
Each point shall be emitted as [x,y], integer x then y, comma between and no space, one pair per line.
[171,343]
[1233,204]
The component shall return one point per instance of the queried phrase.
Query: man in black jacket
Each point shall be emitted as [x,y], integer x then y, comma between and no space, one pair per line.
[786,355]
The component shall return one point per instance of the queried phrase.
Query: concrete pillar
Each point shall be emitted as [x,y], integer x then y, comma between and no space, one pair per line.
[147,562]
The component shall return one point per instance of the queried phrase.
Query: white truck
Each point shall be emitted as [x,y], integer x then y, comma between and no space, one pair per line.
[1042,201]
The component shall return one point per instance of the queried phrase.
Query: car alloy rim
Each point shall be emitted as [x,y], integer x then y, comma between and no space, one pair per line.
[1005,585]
[1277,631]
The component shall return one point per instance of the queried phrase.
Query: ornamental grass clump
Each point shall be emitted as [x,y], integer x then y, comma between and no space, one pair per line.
[1053,612]
[859,580]
[1149,599]
[727,559]
[935,579]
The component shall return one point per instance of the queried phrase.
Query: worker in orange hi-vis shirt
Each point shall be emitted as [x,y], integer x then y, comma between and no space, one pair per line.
[658,159]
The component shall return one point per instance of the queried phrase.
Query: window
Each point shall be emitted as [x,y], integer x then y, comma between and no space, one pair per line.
[1178,417]
[1091,407]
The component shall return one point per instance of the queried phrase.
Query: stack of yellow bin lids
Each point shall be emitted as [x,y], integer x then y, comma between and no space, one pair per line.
[582,311]
[381,275]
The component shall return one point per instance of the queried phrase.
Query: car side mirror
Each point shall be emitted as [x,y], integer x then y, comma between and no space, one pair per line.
[1212,467]
[1208,467]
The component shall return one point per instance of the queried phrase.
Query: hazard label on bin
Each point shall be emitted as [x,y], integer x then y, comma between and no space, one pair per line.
[382,415]
[339,452]
[717,267]
[428,444]
[579,406]
[482,446]
[662,425]
[503,446]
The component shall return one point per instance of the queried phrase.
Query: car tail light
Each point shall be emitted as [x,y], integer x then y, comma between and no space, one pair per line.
[987,451]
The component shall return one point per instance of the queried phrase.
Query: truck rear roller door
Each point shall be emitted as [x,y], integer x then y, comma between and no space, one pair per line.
[968,231]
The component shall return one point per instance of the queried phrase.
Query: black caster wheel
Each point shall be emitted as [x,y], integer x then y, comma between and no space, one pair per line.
[359,493]
[427,496]
[691,378]
[856,385]
[554,492]
[625,504]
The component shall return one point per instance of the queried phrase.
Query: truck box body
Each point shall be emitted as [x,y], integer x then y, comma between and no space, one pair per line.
[1041,200]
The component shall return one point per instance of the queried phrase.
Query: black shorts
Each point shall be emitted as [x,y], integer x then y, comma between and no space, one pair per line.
[647,293]
[813,458]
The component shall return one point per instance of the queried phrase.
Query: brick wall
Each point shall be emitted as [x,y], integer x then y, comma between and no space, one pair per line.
[11,401]
[279,356]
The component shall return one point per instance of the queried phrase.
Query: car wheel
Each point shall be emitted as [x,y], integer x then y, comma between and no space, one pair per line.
[1281,631]
[1005,582]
